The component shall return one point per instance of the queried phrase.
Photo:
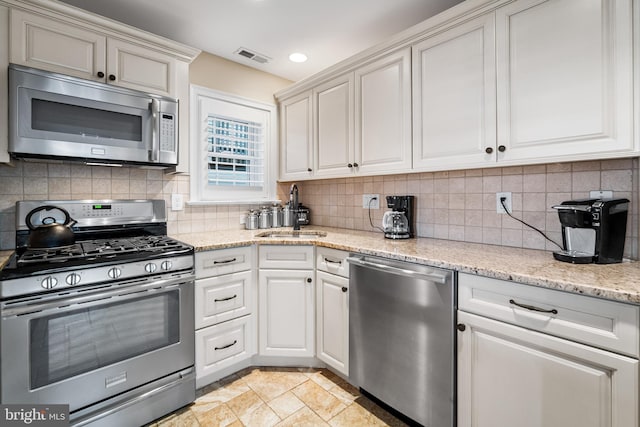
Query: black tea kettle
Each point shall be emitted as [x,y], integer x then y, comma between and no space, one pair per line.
[50,234]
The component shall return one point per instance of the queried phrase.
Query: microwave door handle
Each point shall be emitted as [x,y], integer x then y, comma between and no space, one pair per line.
[155,120]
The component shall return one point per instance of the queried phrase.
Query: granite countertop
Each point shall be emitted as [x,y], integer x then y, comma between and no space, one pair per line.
[620,282]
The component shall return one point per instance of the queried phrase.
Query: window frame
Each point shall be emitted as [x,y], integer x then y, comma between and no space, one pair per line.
[199,193]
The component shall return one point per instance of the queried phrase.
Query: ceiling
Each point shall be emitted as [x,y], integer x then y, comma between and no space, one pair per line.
[327,31]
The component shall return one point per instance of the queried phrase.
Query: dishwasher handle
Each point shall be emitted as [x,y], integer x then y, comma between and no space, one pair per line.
[431,276]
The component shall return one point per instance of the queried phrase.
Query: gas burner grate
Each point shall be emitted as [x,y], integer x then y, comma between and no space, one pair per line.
[61,254]
[108,247]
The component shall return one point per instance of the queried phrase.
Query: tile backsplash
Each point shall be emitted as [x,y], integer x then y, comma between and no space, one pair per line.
[461,205]
[455,205]
[63,181]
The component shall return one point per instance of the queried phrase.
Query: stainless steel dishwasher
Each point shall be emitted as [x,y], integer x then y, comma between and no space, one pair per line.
[401,337]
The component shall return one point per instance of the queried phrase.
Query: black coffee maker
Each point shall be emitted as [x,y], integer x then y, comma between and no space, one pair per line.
[399,222]
[593,230]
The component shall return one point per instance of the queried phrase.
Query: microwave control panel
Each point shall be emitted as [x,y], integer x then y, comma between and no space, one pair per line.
[167,132]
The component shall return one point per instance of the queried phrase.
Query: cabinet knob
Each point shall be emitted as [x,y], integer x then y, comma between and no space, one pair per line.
[344,289]
[309,280]
[488,150]
[461,327]
[355,165]
[501,148]
[309,169]
[349,165]
[100,74]
[112,77]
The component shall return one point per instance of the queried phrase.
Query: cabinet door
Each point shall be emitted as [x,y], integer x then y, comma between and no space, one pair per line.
[334,127]
[286,321]
[296,138]
[138,67]
[332,322]
[510,376]
[454,101]
[4,77]
[564,70]
[45,43]
[383,114]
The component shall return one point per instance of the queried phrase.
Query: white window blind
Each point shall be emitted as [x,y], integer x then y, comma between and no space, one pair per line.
[235,152]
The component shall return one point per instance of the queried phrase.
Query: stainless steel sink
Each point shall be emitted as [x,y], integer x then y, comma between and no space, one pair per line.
[293,234]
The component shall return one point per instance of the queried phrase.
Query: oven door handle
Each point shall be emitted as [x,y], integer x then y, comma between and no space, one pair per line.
[117,292]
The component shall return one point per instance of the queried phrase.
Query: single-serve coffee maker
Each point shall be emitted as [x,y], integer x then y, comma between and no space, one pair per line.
[593,230]
[399,222]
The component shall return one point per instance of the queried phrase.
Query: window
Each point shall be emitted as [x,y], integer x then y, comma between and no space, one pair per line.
[232,148]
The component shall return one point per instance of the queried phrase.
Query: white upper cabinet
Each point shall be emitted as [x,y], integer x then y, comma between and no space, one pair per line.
[383,114]
[454,97]
[296,137]
[42,42]
[138,67]
[564,73]
[334,149]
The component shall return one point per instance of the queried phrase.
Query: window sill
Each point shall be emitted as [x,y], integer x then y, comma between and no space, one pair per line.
[232,202]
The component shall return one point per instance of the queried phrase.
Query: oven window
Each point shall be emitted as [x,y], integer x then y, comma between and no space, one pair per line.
[65,345]
[90,122]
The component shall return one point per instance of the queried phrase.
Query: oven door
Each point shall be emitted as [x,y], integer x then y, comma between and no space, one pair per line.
[82,348]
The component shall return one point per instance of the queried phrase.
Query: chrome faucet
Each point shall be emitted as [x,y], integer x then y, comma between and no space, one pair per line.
[293,202]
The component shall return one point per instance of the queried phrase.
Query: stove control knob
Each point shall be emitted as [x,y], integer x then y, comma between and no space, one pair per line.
[49,282]
[114,272]
[150,267]
[73,279]
[166,265]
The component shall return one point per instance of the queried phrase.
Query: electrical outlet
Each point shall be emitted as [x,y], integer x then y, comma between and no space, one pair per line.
[601,194]
[371,201]
[507,202]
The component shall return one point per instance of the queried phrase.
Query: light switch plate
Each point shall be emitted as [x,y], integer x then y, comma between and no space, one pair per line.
[177,202]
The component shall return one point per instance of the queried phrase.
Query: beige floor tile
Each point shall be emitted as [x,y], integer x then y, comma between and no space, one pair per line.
[182,418]
[263,416]
[221,392]
[220,416]
[286,404]
[345,392]
[245,404]
[324,378]
[319,400]
[304,417]
[356,415]
[269,384]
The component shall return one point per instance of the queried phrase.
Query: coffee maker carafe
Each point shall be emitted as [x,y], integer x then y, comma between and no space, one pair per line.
[593,230]
[399,222]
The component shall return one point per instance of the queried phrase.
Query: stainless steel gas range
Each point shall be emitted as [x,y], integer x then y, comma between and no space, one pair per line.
[104,324]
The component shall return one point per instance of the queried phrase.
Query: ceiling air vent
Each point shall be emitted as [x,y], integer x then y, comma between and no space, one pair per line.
[254,56]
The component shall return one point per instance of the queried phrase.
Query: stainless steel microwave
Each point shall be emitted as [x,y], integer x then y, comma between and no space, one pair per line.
[54,116]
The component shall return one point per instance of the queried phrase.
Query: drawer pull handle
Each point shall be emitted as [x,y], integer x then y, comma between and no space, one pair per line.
[533,308]
[226,261]
[226,346]
[330,261]
[224,299]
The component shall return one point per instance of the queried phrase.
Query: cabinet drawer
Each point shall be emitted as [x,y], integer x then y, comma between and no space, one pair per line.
[601,323]
[223,261]
[332,261]
[286,257]
[224,344]
[222,298]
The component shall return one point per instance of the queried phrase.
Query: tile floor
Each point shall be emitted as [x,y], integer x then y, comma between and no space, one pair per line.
[264,397]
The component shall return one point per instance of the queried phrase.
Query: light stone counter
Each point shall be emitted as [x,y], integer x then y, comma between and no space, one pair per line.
[620,282]
[4,258]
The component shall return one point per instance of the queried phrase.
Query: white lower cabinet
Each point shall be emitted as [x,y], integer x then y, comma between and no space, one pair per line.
[286,302]
[332,308]
[225,306]
[511,374]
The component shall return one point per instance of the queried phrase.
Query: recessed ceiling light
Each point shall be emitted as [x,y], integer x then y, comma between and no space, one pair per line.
[297,57]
